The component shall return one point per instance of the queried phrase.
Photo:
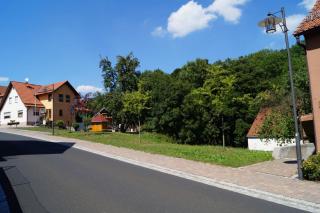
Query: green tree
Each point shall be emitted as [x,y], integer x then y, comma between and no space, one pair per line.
[128,75]
[109,74]
[134,103]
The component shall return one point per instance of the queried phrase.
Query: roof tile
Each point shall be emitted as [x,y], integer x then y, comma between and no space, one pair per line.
[258,122]
[27,93]
[311,22]
[2,90]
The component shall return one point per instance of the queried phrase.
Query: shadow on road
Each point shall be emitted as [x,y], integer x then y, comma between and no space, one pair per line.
[9,192]
[9,148]
[12,181]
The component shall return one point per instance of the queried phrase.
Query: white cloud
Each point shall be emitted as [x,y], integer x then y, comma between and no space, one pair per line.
[192,16]
[188,18]
[294,20]
[228,9]
[159,32]
[308,4]
[88,89]
[4,79]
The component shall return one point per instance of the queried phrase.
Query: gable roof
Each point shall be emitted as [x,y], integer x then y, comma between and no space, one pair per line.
[27,93]
[100,119]
[48,88]
[311,22]
[258,122]
[2,90]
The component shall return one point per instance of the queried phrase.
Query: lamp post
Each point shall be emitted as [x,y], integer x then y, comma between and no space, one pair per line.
[270,24]
[52,98]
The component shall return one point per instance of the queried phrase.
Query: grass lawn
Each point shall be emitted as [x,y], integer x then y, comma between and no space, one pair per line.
[160,144]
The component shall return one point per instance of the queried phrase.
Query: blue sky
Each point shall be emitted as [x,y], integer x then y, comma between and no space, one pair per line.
[59,40]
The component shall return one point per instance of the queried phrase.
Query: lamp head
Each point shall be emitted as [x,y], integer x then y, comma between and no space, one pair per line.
[270,23]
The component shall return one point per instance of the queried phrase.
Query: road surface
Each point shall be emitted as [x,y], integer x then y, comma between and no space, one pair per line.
[49,177]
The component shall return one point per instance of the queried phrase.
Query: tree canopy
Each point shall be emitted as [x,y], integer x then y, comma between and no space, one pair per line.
[198,102]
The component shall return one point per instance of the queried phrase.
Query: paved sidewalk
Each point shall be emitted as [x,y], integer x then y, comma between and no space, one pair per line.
[271,180]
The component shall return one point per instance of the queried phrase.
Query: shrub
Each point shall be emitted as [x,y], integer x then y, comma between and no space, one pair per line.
[86,122]
[60,124]
[75,126]
[311,168]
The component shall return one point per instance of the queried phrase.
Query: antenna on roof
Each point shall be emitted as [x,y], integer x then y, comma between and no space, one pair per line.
[26,80]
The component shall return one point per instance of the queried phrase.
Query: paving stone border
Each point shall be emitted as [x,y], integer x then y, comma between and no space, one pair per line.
[291,192]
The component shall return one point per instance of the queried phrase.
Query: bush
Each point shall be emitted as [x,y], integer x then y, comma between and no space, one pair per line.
[60,124]
[86,122]
[311,168]
[75,126]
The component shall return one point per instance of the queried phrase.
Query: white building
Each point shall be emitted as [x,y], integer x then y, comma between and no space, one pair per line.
[20,105]
[257,143]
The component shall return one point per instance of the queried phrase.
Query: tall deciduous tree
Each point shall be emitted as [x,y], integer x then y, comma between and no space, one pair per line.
[128,74]
[109,74]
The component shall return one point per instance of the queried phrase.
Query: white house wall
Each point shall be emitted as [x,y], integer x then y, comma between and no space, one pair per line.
[13,108]
[31,117]
[263,145]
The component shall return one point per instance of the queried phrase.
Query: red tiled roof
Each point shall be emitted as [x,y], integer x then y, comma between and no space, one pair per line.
[100,119]
[2,90]
[48,88]
[256,125]
[27,93]
[311,22]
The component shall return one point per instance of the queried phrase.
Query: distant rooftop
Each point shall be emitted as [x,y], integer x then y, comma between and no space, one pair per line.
[2,90]
[311,22]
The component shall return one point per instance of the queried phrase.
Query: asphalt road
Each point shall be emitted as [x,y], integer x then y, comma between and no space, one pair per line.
[48,177]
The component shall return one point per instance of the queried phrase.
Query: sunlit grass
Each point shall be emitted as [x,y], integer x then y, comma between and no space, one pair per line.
[161,144]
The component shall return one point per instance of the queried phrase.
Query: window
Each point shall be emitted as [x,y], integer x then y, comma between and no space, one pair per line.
[16,99]
[20,113]
[49,97]
[10,100]
[48,113]
[68,98]
[35,113]
[60,97]
[60,112]
[7,115]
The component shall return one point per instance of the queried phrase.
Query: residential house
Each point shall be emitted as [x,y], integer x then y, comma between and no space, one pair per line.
[31,104]
[310,30]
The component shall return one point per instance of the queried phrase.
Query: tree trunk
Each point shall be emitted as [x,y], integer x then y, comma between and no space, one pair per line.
[139,131]
[223,136]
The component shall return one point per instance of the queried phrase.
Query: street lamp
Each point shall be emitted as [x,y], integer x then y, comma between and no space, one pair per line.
[52,99]
[270,24]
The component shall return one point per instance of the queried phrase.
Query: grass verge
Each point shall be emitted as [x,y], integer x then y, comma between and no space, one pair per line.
[160,144]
